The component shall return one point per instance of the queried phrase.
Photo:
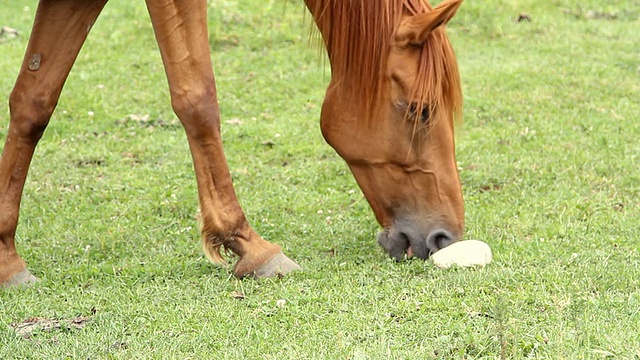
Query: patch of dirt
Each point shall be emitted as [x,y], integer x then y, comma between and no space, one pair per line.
[238,295]
[593,14]
[7,33]
[523,17]
[489,187]
[27,327]
[145,121]
[90,162]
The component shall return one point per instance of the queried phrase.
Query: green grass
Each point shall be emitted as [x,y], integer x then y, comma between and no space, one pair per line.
[549,159]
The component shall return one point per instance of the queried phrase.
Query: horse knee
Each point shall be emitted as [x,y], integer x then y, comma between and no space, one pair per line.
[30,114]
[198,112]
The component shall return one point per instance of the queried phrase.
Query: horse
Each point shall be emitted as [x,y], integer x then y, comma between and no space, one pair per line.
[389,111]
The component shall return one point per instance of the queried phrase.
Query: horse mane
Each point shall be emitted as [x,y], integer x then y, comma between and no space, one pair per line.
[359,33]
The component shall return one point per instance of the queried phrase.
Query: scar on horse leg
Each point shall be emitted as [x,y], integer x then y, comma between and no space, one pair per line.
[182,36]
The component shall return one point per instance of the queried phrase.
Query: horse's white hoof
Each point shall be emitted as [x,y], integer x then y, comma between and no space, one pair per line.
[279,265]
[23,278]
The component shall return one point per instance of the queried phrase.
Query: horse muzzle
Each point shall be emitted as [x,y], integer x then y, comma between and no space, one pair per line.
[404,238]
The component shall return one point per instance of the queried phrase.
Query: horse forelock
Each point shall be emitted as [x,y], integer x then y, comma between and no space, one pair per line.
[358,36]
[437,83]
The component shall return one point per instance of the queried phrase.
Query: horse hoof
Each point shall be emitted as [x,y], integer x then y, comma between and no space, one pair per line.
[23,278]
[279,265]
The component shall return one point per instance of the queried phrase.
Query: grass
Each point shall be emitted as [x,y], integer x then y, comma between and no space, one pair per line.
[549,163]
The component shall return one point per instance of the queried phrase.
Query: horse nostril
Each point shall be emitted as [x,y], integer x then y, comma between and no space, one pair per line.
[439,239]
[406,240]
[395,246]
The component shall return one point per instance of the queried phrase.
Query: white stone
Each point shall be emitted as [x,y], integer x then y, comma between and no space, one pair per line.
[465,253]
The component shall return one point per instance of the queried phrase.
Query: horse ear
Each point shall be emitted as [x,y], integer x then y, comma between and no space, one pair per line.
[415,29]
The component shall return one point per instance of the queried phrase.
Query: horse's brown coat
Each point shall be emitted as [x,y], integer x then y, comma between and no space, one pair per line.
[387,56]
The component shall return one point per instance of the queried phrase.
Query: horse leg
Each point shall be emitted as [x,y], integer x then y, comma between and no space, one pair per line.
[181,31]
[59,30]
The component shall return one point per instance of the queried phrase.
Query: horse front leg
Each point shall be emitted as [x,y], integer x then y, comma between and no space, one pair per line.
[181,31]
[59,30]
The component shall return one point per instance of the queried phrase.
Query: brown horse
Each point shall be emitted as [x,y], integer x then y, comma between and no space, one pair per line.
[388,111]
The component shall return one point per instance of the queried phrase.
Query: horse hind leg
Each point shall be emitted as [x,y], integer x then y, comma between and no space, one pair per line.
[59,30]
[181,31]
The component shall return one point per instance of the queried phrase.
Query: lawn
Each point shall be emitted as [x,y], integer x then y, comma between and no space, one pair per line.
[549,158]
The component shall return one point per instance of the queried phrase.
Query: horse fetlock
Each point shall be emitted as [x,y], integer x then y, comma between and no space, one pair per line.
[214,245]
[257,257]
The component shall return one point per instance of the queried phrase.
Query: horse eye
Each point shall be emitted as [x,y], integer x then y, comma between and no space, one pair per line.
[413,112]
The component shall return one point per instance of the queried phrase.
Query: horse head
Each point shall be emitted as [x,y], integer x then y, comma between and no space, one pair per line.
[393,123]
